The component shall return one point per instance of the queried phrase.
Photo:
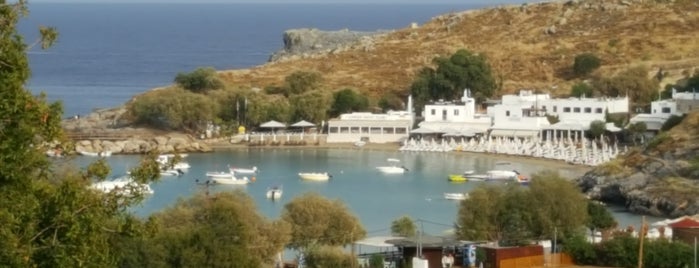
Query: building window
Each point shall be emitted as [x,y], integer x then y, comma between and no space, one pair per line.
[598,110]
[566,109]
[433,112]
[666,110]
[456,112]
[576,109]
[507,113]
[588,110]
[555,108]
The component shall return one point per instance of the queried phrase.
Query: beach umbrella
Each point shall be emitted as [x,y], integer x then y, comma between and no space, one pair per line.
[272,125]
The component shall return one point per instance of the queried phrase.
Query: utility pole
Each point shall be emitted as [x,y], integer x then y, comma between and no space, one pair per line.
[641,235]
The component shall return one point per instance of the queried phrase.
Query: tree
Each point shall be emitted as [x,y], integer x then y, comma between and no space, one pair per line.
[347,100]
[597,128]
[599,218]
[316,221]
[581,89]
[585,63]
[222,230]
[301,81]
[199,80]
[452,75]
[403,226]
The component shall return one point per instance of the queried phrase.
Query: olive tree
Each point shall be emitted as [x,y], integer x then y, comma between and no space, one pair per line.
[316,220]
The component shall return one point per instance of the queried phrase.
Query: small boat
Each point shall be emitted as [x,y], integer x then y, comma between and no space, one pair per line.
[165,160]
[275,192]
[236,170]
[315,176]
[230,179]
[393,168]
[124,184]
[455,196]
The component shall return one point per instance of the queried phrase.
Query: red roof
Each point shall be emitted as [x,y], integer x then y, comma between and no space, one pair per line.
[685,223]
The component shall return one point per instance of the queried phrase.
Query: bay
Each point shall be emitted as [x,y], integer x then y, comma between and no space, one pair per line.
[376,198]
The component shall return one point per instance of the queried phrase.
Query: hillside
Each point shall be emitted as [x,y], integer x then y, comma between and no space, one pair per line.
[528,46]
[661,179]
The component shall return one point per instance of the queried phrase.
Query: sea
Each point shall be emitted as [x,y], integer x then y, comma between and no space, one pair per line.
[108,52]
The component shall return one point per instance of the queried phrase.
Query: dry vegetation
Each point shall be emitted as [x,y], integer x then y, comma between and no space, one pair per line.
[515,39]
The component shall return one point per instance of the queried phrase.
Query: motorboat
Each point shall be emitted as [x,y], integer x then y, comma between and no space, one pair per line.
[230,178]
[455,196]
[393,168]
[124,184]
[274,192]
[315,176]
[236,170]
[165,160]
[460,177]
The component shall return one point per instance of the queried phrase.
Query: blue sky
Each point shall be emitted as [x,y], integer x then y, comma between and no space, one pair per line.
[492,2]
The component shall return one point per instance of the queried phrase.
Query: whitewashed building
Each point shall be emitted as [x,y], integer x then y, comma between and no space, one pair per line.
[393,126]
[660,110]
[456,118]
[519,116]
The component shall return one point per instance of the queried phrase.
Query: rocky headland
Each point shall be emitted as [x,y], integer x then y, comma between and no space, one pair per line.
[661,178]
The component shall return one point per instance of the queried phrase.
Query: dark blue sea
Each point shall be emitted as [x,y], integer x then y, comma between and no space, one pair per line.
[109,52]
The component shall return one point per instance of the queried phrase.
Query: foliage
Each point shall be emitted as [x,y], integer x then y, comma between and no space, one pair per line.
[581,89]
[223,230]
[301,81]
[599,217]
[672,122]
[199,80]
[390,101]
[452,75]
[327,256]
[311,106]
[316,220]
[175,109]
[585,63]
[597,128]
[403,226]
[633,82]
[348,100]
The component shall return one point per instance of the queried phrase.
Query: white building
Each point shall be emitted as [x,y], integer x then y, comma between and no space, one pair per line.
[393,126]
[457,118]
[576,114]
[519,115]
[661,110]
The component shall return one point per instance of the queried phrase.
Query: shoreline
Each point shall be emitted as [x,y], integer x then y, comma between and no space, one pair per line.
[225,146]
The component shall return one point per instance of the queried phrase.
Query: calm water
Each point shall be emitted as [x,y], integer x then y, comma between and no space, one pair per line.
[376,198]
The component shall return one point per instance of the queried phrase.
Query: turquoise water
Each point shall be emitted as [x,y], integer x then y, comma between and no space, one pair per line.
[377,199]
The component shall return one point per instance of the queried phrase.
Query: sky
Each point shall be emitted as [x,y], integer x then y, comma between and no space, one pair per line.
[490,2]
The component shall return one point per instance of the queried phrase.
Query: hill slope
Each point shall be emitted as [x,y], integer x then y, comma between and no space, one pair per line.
[528,46]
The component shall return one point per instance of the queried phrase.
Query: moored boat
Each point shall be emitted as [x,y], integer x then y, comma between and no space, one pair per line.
[315,176]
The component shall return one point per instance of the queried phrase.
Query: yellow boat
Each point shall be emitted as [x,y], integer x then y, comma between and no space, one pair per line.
[457,178]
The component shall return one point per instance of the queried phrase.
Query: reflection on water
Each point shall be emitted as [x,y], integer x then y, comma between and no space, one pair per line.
[376,198]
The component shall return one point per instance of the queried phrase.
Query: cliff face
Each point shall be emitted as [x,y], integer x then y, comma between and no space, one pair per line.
[662,179]
[528,46]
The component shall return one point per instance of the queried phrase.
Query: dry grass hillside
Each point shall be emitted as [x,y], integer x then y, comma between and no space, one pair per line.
[528,46]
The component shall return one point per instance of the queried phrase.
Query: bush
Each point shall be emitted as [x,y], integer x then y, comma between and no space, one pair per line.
[200,80]
[585,63]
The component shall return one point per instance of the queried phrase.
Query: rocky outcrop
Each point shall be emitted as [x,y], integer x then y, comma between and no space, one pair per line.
[303,43]
[661,179]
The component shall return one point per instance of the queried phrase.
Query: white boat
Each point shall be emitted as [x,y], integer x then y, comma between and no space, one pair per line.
[96,154]
[165,159]
[236,170]
[455,196]
[275,192]
[393,168]
[124,184]
[315,176]
[229,179]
